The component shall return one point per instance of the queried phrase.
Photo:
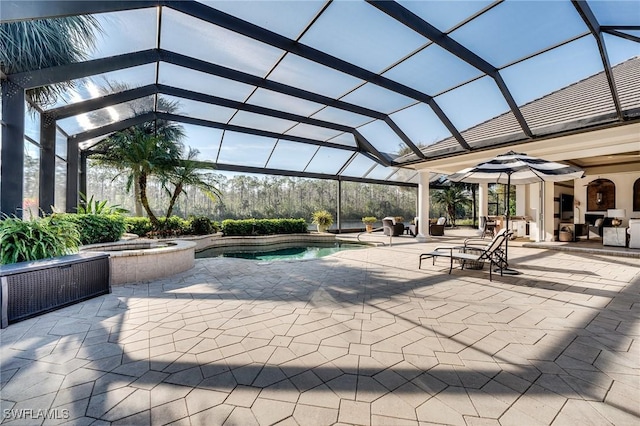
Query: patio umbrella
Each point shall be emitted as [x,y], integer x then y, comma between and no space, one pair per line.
[517,169]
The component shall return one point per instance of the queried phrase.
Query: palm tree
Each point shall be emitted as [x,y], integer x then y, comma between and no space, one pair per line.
[44,43]
[452,197]
[167,132]
[186,174]
[141,155]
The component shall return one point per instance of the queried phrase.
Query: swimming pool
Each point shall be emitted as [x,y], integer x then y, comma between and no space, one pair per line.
[285,251]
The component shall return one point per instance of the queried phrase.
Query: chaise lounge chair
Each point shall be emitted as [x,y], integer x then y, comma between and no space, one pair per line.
[473,253]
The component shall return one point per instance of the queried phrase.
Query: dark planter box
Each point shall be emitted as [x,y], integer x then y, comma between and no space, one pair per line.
[33,288]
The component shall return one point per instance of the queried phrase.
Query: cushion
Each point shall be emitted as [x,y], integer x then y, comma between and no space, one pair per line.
[598,222]
[441,221]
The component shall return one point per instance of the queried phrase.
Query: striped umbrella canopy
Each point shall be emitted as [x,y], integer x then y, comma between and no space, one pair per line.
[514,168]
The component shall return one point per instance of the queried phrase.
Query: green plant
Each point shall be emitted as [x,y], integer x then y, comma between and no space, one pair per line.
[322,218]
[173,225]
[96,228]
[187,174]
[201,225]
[27,240]
[95,207]
[263,226]
[140,226]
[141,155]
[369,220]
[42,43]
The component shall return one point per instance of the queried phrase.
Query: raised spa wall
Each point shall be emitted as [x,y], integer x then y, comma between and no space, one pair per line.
[144,260]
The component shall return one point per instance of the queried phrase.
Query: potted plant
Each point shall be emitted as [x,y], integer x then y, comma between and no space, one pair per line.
[368,222]
[323,219]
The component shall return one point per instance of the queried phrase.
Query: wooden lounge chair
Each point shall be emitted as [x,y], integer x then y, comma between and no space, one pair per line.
[471,251]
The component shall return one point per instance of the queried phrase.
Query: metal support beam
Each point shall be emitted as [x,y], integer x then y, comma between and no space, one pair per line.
[47,171]
[339,207]
[215,100]
[73,175]
[250,131]
[242,77]
[224,20]
[82,176]
[404,137]
[422,27]
[12,155]
[237,25]
[366,146]
[592,23]
[622,35]
[21,10]
[45,76]
[102,102]
[114,127]
[278,172]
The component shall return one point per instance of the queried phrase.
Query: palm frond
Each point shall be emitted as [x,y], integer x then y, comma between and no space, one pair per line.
[44,43]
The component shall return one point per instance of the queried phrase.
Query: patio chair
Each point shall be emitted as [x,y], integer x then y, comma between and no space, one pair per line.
[437,229]
[488,227]
[413,228]
[391,228]
[473,252]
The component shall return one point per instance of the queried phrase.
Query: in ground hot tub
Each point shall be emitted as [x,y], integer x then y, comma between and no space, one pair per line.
[144,260]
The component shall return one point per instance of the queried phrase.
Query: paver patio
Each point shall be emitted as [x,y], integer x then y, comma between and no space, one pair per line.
[362,337]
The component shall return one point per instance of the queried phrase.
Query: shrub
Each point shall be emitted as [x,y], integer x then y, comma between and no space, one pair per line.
[138,225]
[263,226]
[369,220]
[27,240]
[201,225]
[173,225]
[96,228]
[92,206]
[322,218]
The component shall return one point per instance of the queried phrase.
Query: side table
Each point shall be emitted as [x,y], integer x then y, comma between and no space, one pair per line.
[614,236]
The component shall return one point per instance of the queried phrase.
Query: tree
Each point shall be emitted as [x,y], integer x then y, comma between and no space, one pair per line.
[165,131]
[141,155]
[451,198]
[184,174]
[45,43]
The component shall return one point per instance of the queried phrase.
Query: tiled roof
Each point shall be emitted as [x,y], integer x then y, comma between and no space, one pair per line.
[582,104]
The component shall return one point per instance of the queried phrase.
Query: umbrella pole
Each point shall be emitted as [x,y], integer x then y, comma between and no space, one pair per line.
[506,269]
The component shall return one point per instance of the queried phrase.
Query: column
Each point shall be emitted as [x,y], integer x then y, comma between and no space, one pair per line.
[12,155]
[339,207]
[82,176]
[521,200]
[548,220]
[47,185]
[73,172]
[423,206]
[483,202]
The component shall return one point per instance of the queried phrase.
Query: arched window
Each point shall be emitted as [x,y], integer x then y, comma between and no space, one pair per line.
[636,196]
[601,195]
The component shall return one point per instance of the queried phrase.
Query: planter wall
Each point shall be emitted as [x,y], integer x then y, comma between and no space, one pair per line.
[33,288]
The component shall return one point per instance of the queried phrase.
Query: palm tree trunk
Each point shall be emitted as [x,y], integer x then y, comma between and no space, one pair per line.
[136,198]
[174,197]
[142,183]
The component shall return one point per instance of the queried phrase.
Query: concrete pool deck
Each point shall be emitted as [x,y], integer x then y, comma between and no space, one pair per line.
[360,337]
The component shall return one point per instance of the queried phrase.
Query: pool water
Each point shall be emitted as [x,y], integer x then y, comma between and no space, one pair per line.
[280,251]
